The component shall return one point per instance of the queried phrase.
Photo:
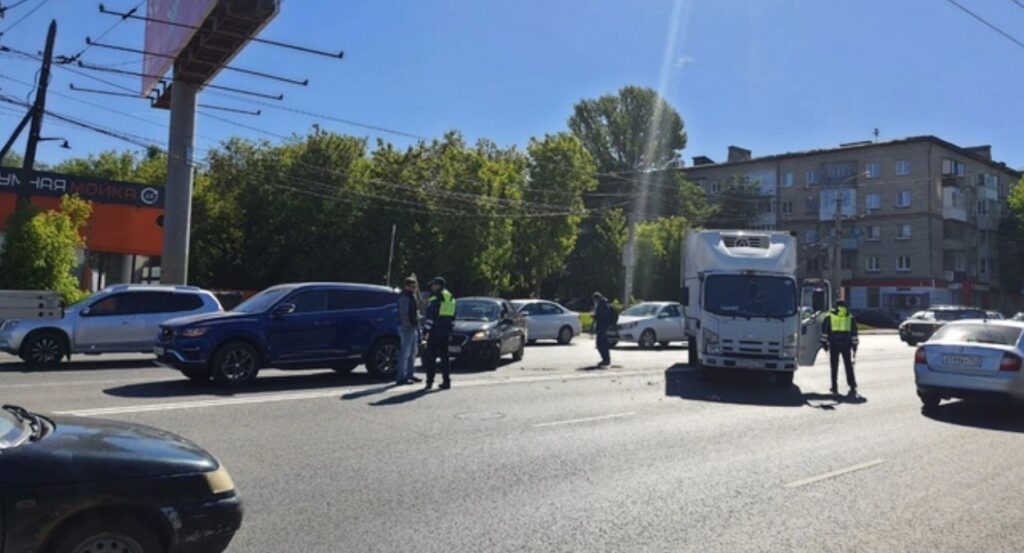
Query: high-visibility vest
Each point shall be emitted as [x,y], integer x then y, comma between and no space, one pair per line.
[840,322]
[447,308]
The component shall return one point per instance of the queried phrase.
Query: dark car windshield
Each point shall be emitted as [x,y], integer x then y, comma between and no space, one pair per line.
[262,301]
[477,310]
[980,333]
[959,315]
[12,430]
[750,296]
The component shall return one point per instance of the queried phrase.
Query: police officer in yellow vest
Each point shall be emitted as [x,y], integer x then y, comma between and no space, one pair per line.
[839,338]
[438,327]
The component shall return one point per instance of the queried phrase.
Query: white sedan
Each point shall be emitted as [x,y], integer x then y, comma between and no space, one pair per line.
[650,323]
[971,359]
[547,320]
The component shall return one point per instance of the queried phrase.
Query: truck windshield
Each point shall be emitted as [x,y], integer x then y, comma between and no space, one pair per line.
[750,296]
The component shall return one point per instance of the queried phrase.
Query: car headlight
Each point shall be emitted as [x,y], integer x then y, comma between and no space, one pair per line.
[219,481]
[628,325]
[481,335]
[711,344]
[195,332]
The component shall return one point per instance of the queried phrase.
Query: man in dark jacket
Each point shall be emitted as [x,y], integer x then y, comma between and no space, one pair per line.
[839,338]
[438,326]
[408,331]
[604,317]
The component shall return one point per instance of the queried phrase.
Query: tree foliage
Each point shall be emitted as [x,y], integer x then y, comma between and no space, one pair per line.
[39,251]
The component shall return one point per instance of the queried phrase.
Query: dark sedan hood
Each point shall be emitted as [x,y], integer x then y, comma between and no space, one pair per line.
[469,327]
[212,318]
[93,450]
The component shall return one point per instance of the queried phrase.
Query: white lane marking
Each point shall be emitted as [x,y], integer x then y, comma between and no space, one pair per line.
[333,392]
[586,419]
[78,383]
[833,474]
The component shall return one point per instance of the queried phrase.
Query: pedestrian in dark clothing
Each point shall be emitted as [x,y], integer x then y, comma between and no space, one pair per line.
[438,326]
[604,317]
[408,331]
[839,338]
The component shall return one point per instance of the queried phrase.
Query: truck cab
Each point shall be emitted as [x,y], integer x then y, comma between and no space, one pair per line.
[744,307]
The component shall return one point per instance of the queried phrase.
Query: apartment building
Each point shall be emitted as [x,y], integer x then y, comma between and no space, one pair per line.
[920,217]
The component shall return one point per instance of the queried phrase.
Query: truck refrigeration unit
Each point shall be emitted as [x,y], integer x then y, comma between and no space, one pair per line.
[744,307]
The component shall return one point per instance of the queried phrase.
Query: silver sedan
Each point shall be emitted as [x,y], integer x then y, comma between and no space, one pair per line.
[547,320]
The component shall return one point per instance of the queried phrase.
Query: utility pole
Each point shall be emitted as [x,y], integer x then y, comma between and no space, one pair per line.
[35,116]
[837,240]
[391,252]
[178,203]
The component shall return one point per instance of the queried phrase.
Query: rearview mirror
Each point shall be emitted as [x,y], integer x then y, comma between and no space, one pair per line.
[85,312]
[283,309]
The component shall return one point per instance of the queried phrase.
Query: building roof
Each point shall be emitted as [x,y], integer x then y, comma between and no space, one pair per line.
[863,146]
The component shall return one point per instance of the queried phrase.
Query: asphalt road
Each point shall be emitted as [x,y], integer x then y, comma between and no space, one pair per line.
[552,455]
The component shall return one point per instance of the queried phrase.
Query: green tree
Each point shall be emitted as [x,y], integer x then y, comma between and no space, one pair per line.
[149,168]
[1011,230]
[738,205]
[12,159]
[560,172]
[39,249]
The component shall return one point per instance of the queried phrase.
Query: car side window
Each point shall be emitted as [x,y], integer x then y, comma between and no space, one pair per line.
[673,311]
[532,309]
[341,300]
[309,301]
[164,302]
[115,304]
[549,309]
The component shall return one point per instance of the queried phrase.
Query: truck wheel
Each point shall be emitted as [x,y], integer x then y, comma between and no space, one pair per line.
[44,349]
[382,360]
[100,534]
[691,351]
[784,380]
[647,339]
[235,364]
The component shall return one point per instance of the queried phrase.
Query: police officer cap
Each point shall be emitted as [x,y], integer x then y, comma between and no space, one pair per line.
[439,281]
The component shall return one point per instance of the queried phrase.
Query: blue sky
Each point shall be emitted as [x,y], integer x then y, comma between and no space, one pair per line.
[770,75]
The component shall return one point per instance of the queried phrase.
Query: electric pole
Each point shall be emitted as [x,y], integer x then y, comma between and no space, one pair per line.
[178,202]
[38,111]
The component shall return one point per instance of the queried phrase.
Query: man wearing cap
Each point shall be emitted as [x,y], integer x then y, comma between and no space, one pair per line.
[408,330]
[438,326]
[839,338]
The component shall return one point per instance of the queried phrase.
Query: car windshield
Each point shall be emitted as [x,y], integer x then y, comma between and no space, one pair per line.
[642,310]
[959,315]
[980,333]
[12,430]
[477,310]
[262,301]
[750,296]
[518,304]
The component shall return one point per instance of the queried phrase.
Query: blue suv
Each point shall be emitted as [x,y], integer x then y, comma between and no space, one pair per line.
[291,326]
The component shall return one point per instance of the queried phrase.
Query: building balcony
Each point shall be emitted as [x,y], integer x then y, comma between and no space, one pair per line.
[958,244]
[988,222]
[954,213]
[949,180]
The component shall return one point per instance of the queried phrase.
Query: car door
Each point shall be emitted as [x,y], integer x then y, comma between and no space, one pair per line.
[306,334]
[534,324]
[359,317]
[552,319]
[815,303]
[106,324]
[672,324]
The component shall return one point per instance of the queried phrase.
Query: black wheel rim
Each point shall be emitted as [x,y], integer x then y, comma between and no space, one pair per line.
[44,350]
[386,359]
[647,339]
[238,365]
[109,543]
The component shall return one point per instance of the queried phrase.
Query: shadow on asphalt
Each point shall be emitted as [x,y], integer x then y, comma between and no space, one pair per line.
[404,398]
[990,416]
[182,387]
[741,388]
[74,366]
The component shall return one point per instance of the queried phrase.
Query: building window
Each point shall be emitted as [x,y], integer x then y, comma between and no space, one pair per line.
[903,232]
[983,266]
[982,207]
[714,187]
[874,298]
[788,179]
[812,264]
[874,201]
[873,265]
[902,167]
[812,177]
[953,168]
[873,171]
[811,236]
[786,208]
[847,262]
[873,233]
[903,200]
[812,205]
[903,263]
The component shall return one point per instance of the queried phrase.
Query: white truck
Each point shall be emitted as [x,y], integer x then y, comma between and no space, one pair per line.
[744,308]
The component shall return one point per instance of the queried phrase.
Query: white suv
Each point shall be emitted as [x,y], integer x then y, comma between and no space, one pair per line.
[124,318]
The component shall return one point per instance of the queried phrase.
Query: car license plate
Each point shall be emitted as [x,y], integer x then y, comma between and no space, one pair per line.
[454,349]
[158,350]
[748,364]
[961,361]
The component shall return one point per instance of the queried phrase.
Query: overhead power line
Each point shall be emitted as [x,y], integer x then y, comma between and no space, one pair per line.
[23,17]
[78,56]
[988,24]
